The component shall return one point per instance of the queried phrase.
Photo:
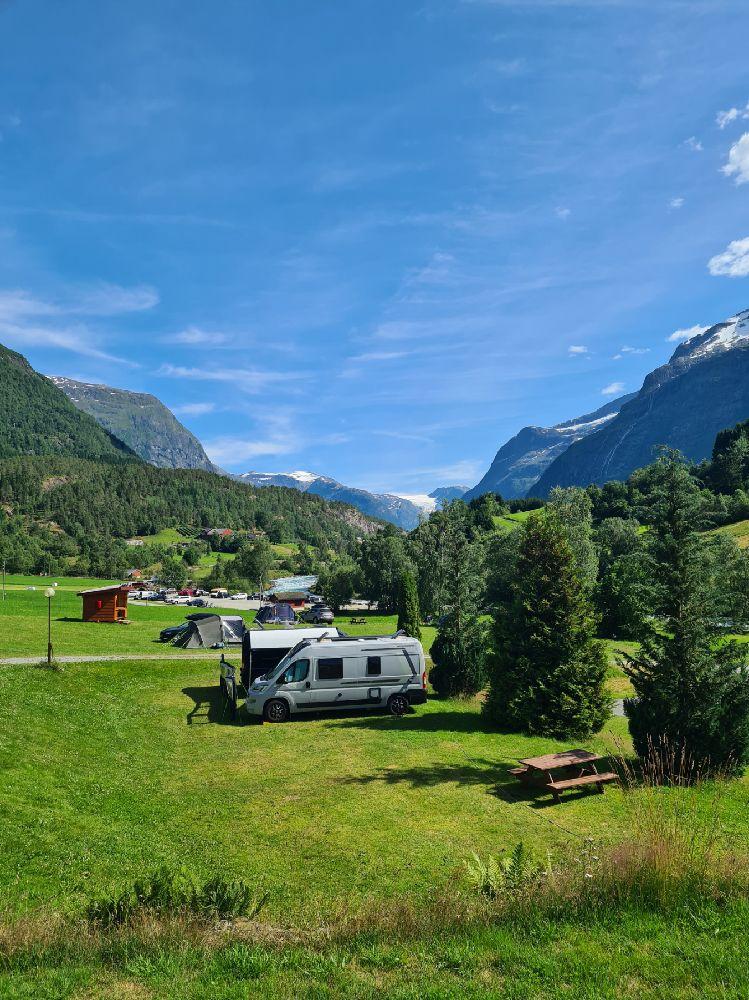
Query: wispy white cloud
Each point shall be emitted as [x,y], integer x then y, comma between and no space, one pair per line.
[612,389]
[562,212]
[577,349]
[28,320]
[738,160]
[733,262]
[249,380]
[378,356]
[404,436]
[195,335]
[635,350]
[676,203]
[724,118]
[193,409]
[694,144]
[230,450]
[688,332]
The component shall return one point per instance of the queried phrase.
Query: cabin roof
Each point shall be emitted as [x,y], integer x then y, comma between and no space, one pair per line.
[104,590]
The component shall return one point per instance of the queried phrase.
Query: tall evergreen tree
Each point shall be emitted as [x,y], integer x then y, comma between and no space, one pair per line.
[459,651]
[573,508]
[692,685]
[408,605]
[547,670]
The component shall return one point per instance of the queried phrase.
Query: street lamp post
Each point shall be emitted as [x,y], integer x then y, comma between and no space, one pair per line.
[49,593]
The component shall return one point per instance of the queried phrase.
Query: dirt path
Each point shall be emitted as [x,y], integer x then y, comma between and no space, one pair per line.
[26,661]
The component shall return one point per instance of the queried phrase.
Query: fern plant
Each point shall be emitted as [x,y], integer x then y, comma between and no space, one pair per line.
[503,876]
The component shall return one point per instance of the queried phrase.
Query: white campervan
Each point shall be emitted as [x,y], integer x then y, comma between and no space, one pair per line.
[343,672]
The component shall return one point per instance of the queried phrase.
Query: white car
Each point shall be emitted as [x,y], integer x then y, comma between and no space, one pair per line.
[239,597]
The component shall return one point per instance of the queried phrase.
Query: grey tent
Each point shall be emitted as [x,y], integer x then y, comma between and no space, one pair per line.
[211,631]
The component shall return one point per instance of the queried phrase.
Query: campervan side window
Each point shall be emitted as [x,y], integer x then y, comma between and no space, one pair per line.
[374,666]
[330,668]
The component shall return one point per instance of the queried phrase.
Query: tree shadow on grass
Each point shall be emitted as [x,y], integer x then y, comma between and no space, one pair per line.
[492,775]
[416,722]
[209,707]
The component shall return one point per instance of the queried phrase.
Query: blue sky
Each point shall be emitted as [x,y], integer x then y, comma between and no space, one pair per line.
[370,238]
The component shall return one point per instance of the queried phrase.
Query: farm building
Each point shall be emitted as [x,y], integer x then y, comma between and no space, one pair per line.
[216,533]
[105,604]
[293,590]
[296,598]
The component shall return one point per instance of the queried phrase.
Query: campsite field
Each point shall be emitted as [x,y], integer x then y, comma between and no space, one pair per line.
[111,770]
[23,623]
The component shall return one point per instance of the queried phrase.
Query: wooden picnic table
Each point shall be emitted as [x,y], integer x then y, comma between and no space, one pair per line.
[578,769]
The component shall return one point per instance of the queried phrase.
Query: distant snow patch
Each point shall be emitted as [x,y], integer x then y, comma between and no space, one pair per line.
[422,500]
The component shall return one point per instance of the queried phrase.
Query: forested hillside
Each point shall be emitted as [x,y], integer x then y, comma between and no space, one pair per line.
[83,510]
[38,419]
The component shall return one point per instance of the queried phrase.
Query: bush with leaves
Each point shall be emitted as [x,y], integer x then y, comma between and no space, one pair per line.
[338,582]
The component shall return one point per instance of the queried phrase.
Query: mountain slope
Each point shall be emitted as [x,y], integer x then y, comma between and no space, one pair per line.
[447,493]
[141,421]
[521,460]
[702,389]
[385,506]
[38,419]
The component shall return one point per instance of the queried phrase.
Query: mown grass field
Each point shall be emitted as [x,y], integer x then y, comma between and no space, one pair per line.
[23,623]
[113,769]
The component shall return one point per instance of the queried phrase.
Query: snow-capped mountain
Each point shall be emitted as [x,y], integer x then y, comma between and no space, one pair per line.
[402,511]
[521,460]
[703,389]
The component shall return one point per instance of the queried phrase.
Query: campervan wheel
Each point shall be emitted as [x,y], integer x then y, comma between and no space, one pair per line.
[276,710]
[398,704]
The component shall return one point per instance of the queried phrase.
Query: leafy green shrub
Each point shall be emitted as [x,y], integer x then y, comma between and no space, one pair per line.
[165,893]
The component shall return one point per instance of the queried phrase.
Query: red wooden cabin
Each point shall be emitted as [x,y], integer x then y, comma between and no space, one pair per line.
[105,604]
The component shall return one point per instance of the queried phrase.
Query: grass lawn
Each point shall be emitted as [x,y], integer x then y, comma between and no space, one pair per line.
[23,626]
[111,770]
[167,536]
[208,561]
[107,765]
[508,522]
[23,623]
[738,531]
[627,956]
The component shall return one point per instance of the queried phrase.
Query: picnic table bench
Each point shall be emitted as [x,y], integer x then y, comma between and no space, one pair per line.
[357,621]
[578,770]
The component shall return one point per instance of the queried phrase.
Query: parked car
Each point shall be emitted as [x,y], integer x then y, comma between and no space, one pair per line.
[219,593]
[318,614]
[316,599]
[339,673]
[239,597]
[199,602]
[167,634]
[187,592]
